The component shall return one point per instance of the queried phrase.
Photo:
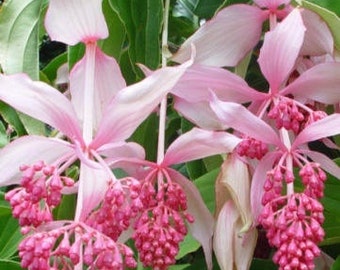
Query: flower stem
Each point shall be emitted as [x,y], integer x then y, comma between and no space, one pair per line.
[162,111]
[89,92]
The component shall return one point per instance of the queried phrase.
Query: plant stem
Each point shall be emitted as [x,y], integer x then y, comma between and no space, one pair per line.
[89,93]
[162,111]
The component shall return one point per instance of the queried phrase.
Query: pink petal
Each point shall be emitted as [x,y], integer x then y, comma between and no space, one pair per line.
[234,176]
[40,101]
[320,83]
[259,177]
[233,250]
[203,226]
[198,113]
[227,38]
[271,4]
[28,150]
[224,245]
[108,80]
[328,126]
[280,49]
[195,83]
[238,117]
[318,37]
[93,184]
[326,163]
[74,21]
[120,150]
[133,104]
[199,143]
[245,244]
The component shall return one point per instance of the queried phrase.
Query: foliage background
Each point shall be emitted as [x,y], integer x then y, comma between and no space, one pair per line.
[135,27]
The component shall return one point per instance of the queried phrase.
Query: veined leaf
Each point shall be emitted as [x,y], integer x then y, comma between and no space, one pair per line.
[206,186]
[9,265]
[113,45]
[201,8]
[10,236]
[19,28]
[143,23]
[328,4]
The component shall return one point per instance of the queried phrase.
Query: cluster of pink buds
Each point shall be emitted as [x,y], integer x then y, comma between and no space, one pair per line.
[274,183]
[251,148]
[39,193]
[313,177]
[121,203]
[295,229]
[161,227]
[65,247]
[287,115]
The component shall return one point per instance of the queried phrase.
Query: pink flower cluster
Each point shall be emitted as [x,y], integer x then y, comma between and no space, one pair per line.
[71,244]
[39,192]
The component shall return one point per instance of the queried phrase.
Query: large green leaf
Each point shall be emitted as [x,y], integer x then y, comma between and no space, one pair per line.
[328,4]
[143,23]
[12,118]
[113,45]
[206,186]
[147,135]
[200,8]
[19,28]
[9,231]
[9,265]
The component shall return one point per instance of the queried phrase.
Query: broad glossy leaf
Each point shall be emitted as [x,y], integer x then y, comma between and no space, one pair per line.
[328,4]
[19,27]
[113,45]
[75,53]
[188,245]
[51,69]
[263,264]
[143,22]
[336,265]
[206,186]
[332,20]
[10,235]
[146,135]
[4,138]
[201,8]
[9,265]
[12,118]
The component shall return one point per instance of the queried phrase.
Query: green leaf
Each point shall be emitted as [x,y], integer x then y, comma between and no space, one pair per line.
[51,69]
[113,45]
[147,135]
[206,186]
[188,245]
[336,265]
[74,54]
[332,20]
[328,4]
[10,236]
[195,169]
[262,264]
[32,125]
[12,118]
[9,265]
[179,266]
[19,28]
[201,8]
[66,209]
[3,135]
[143,23]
